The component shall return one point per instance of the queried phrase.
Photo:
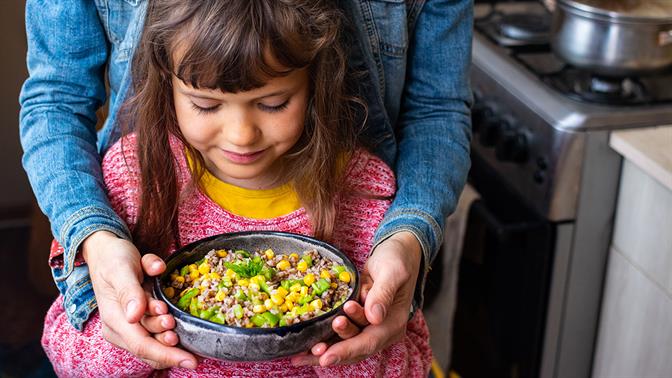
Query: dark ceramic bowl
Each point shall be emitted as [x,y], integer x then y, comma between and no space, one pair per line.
[225,342]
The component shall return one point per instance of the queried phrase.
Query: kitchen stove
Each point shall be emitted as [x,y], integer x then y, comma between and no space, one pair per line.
[541,130]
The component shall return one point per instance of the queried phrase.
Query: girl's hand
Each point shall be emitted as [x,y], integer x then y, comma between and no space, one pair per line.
[388,284]
[116,271]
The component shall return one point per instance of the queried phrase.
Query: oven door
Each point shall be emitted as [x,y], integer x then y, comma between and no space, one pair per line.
[503,284]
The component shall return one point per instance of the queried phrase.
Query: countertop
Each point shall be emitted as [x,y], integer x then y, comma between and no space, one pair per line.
[650,149]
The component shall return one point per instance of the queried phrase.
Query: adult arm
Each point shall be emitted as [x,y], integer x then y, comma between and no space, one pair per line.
[67,54]
[432,164]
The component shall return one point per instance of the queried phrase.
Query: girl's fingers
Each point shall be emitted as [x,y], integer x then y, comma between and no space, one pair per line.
[152,264]
[168,338]
[355,313]
[158,324]
[155,307]
[319,349]
[305,359]
[344,328]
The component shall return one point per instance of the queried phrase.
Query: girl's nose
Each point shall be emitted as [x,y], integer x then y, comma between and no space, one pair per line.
[241,130]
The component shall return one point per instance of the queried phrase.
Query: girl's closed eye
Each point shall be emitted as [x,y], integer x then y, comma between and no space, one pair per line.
[273,108]
[204,109]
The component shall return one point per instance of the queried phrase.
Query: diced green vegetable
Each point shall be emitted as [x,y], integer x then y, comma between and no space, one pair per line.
[258,320]
[283,322]
[271,319]
[218,318]
[240,295]
[338,269]
[186,298]
[321,286]
[243,253]
[306,298]
[238,311]
[185,270]
[208,313]
[307,259]
[193,307]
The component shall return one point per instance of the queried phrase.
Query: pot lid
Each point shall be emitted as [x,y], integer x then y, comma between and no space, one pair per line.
[636,10]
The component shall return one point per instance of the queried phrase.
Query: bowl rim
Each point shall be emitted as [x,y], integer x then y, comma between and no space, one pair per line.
[227,329]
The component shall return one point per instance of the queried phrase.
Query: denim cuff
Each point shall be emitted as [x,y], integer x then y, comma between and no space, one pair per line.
[425,229]
[81,225]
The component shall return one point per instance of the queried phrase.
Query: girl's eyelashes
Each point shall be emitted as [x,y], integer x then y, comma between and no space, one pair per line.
[202,110]
[274,109]
[263,107]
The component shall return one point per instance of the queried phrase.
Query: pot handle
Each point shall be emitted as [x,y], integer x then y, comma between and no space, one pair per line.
[665,38]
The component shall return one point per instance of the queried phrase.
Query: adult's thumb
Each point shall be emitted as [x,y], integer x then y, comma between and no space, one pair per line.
[130,294]
[380,297]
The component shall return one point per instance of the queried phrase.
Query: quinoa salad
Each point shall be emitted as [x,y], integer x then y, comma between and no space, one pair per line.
[259,289]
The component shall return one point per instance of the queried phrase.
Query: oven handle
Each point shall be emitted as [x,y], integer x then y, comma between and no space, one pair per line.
[501,230]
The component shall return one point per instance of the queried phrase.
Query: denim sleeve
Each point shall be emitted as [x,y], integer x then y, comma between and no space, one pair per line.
[434,128]
[67,53]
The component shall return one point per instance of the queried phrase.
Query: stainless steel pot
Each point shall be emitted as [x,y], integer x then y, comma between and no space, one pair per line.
[614,37]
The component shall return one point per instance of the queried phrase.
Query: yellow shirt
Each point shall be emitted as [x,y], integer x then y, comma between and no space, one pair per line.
[251,203]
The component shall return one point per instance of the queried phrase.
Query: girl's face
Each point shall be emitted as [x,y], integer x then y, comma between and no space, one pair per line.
[243,135]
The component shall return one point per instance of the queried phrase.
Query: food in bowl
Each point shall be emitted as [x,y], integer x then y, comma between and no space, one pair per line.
[259,288]
[239,343]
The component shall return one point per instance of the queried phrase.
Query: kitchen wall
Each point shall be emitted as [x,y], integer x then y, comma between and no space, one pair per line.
[15,195]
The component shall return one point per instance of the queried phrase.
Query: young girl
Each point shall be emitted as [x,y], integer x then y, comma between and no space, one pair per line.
[243,121]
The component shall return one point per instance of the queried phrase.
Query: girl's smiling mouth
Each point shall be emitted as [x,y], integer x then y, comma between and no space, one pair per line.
[243,158]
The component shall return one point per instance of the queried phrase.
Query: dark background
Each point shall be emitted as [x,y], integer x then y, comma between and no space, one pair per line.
[27,287]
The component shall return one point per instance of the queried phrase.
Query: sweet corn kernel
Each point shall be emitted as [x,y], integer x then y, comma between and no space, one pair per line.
[260,279]
[258,309]
[221,253]
[296,287]
[243,282]
[248,325]
[268,303]
[283,308]
[294,256]
[220,295]
[204,268]
[304,291]
[325,274]
[184,291]
[192,267]
[317,304]
[302,266]
[293,297]
[269,253]
[169,292]
[277,299]
[309,279]
[215,276]
[282,292]
[283,265]
[333,285]
[230,273]
[194,274]
[344,276]
[179,279]
[289,304]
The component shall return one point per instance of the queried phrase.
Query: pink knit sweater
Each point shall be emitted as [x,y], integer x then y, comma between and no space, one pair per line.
[88,354]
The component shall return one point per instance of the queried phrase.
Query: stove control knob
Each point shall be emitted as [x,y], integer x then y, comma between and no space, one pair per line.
[512,146]
[481,112]
[490,130]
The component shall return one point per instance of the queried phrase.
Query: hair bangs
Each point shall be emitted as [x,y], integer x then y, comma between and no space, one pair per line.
[239,50]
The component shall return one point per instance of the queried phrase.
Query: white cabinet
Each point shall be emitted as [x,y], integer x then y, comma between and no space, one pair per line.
[635,332]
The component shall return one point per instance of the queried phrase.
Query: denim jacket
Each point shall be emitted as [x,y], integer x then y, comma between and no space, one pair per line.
[417,57]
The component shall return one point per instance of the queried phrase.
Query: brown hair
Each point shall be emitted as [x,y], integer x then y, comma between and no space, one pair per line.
[223,45]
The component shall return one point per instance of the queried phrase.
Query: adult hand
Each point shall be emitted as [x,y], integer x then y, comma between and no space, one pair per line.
[388,283]
[128,314]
